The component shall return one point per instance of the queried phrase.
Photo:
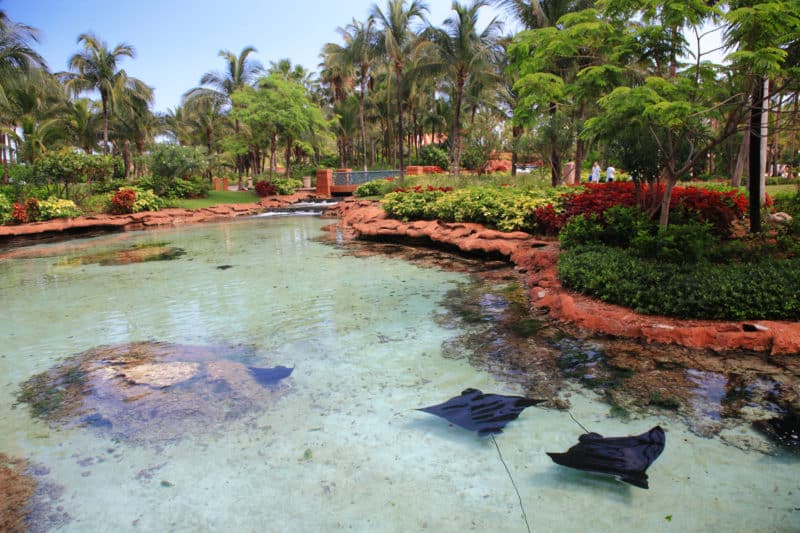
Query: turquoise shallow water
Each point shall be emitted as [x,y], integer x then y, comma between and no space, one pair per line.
[340,446]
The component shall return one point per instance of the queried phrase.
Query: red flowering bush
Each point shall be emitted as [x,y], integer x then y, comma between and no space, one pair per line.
[719,208]
[27,212]
[19,214]
[265,188]
[547,220]
[123,201]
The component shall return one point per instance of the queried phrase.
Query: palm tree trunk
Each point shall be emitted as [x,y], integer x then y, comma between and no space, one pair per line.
[361,116]
[399,76]
[104,101]
[793,136]
[4,157]
[762,175]
[457,124]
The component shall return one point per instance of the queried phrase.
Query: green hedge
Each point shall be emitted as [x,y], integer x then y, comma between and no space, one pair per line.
[737,291]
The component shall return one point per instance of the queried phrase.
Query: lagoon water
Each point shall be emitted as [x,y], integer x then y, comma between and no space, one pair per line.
[339,445]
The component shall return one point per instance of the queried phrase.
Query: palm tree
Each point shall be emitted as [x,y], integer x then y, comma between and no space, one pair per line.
[360,39]
[17,59]
[96,68]
[134,124]
[82,124]
[541,13]
[467,56]
[240,71]
[398,41]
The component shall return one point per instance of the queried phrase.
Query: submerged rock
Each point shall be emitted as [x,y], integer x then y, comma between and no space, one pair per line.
[16,489]
[139,253]
[148,393]
[784,430]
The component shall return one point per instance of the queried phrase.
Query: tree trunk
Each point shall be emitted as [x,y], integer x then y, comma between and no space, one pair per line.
[4,157]
[361,116]
[516,134]
[742,158]
[754,180]
[793,156]
[273,154]
[580,146]
[289,143]
[555,167]
[399,75]
[776,154]
[456,142]
[762,176]
[104,102]
[669,183]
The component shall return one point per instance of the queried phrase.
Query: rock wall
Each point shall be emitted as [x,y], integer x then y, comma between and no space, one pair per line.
[536,259]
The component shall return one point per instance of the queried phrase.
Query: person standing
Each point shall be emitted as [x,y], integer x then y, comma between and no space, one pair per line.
[610,174]
[595,175]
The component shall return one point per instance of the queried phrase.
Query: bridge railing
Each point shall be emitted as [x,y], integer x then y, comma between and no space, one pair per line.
[358,177]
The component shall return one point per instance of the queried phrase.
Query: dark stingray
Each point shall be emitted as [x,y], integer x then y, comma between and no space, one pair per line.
[270,376]
[624,457]
[485,413]
[224,267]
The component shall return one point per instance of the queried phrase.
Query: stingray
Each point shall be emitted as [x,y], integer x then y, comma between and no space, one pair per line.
[487,414]
[270,376]
[624,457]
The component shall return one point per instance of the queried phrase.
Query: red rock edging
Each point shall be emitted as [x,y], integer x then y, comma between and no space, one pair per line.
[150,219]
[537,260]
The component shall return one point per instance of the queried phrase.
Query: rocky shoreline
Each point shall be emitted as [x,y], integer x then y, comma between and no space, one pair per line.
[536,259]
[25,233]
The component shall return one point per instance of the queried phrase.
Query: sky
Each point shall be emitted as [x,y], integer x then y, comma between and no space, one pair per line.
[177,41]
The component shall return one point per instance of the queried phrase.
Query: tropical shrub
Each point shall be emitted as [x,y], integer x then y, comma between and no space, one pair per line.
[676,244]
[123,201]
[760,290]
[286,185]
[787,203]
[67,167]
[134,200]
[265,188]
[504,208]
[57,208]
[432,155]
[5,209]
[716,206]
[173,161]
[616,226]
[413,204]
[20,174]
[377,187]
[166,187]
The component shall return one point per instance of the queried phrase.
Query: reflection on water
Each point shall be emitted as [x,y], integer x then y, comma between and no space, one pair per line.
[372,332]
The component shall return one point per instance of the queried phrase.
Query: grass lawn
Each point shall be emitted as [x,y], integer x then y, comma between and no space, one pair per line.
[218,197]
[782,189]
